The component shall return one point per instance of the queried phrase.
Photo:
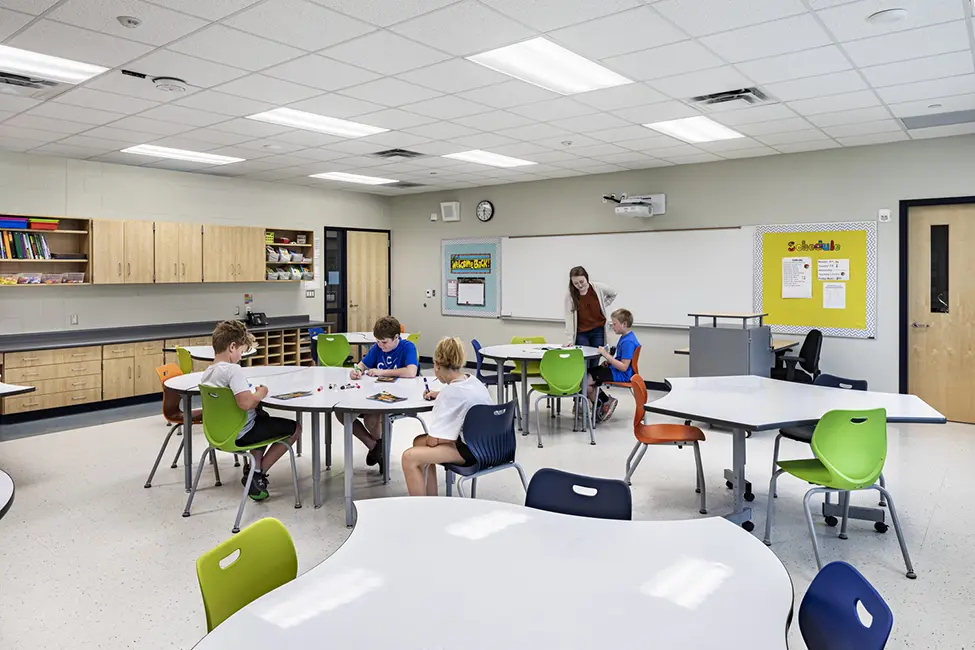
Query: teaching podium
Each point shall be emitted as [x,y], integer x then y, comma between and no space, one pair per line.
[723,344]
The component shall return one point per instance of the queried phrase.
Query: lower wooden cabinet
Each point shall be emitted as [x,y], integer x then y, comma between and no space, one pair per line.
[146,379]
[118,378]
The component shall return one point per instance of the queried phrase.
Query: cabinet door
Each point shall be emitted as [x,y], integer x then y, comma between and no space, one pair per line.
[251,260]
[219,253]
[166,246]
[107,251]
[139,254]
[118,378]
[190,252]
[146,379]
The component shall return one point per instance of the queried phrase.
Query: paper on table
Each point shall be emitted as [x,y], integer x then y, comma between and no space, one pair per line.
[834,295]
[797,277]
[833,270]
[451,288]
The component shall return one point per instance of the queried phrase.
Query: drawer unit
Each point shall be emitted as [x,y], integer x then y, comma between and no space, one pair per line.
[58,371]
[35,358]
[148,348]
[120,351]
[68,384]
[35,402]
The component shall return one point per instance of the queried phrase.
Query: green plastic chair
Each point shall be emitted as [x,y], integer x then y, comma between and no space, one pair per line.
[333,350]
[185,360]
[413,338]
[850,449]
[533,366]
[265,560]
[222,421]
[563,371]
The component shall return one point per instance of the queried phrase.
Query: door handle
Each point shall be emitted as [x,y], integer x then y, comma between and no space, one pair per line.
[130,373]
[920,325]
[175,271]
[238,269]
[128,268]
[184,269]
[120,269]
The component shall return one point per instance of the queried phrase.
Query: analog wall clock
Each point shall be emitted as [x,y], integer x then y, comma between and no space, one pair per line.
[485,211]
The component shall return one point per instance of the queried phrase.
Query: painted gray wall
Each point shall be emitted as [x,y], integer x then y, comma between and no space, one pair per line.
[832,185]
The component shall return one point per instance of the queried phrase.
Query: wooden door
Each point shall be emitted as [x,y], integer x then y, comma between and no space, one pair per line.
[146,381]
[139,253]
[107,251]
[167,252]
[219,253]
[118,378]
[941,308]
[367,256]
[190,252]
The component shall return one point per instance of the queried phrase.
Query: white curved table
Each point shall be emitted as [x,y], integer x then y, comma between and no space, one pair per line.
[205,352]
[422,573]
[359,339]
[9,390]
[6,493]
[747,403]
[524,353]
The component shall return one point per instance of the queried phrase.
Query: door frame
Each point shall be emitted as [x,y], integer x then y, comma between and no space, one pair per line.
[904,230]
[344,269]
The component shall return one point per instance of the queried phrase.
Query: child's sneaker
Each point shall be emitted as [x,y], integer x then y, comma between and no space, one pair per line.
[258,489]
[609,408]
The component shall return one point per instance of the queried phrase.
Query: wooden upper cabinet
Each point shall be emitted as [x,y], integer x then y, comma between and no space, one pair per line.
[139,252]
[190,252]
[167,252]
[252,257]
[219,253]
[108,251]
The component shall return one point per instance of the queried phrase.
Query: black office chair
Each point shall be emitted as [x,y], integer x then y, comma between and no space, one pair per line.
[804,367]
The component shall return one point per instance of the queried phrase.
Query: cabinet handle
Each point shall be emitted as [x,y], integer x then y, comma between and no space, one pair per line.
[138,371]
[29,359]
[120,269]
[79,399]
[232,270]
[79,354]
[31,374]
[128,268]
[118,351]
[130,373]
[79,383]
[30,404]
[81,369]
[184,269]
[175,272]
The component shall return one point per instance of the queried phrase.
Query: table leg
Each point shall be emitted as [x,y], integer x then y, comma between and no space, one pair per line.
[349,419]
[187,442]
[500,386]
[741,514]
[525,403]
[316,457]
[386,442]
[328,440]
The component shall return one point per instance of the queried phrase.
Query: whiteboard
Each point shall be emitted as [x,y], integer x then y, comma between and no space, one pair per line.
[660,276]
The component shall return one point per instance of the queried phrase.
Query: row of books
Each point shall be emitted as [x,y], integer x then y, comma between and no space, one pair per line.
[23,246]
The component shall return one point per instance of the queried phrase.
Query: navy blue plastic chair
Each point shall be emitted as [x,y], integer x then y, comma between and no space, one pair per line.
[510,380]
[489,432]
[583,496]
[313,333]
[828,617]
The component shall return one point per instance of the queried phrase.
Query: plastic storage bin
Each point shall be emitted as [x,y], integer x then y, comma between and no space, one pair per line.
[29,278]
[51,278]
[72,278]
[7,279]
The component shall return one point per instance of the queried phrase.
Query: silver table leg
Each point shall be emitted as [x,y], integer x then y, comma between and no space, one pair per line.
[500,387]
[316,457]
[525,403]
[349,419]
[742,514]
[187,442]
[387,443]
[328,440]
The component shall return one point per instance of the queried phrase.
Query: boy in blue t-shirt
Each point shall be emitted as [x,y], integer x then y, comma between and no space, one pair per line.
[391,356]
[616,367]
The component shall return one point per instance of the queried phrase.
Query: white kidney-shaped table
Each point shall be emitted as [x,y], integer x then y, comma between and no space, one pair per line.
[522,354]
[7,483]
[748,403]
[358,339]
[205,352]
[327,396]
[424,573]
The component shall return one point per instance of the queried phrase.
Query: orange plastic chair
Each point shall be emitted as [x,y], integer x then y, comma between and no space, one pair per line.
[635,364]
[172,411]
[402,328]
[662,434]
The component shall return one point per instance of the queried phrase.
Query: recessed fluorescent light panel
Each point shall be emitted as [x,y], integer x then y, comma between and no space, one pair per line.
[543,63]
[314,122]
[695,129]
[488,158]
[182,154]
[354,178]
[32,64]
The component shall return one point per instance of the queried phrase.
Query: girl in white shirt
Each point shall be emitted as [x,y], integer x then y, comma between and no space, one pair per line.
[444,445]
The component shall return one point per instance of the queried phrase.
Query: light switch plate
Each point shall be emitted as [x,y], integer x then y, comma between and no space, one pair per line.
[73,319]
[309,293]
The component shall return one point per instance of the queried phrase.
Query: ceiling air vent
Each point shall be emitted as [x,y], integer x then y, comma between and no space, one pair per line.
[32,87]
[938,119]
[740,98]
[398,154]
[404,185]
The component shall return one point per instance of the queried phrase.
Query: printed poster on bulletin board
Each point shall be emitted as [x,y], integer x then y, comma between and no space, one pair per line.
[471,277]
[818,276]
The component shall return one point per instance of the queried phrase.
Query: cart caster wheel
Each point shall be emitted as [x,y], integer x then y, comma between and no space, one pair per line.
[539,445]
[297,506]
[729,484]
[831,521]
[881,527]
[749,497]
[592,444]
[148,485]
[748,526]
[235,530]
[703,511]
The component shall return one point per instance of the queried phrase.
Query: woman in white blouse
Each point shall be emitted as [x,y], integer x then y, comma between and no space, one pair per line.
[444,444]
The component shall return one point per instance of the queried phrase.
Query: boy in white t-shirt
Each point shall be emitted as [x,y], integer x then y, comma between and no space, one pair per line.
[444,445]
[230,341]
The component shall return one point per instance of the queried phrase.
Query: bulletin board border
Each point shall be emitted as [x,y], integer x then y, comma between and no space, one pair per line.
[445,275]
[871,229]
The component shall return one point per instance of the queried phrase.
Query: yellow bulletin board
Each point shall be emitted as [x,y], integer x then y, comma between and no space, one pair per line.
[817,276]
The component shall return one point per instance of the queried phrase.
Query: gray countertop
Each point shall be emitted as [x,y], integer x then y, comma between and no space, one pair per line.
[110,335]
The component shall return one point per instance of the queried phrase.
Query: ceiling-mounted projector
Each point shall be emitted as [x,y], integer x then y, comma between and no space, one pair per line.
[638,207]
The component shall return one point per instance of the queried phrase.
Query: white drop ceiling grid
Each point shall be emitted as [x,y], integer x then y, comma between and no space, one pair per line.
[837,80]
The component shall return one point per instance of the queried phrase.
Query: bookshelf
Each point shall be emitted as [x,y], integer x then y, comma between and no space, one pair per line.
[299,243]
[71,237]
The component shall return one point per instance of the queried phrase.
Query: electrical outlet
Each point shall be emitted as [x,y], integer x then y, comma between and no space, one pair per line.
[73,319]
[309,293]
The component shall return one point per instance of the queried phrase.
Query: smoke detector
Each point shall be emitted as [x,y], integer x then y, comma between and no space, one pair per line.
[129,22]
[169,84]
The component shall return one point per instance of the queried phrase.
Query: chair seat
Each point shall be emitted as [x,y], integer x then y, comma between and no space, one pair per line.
[810,470]
[656,434]
[462,470]
[197,417]
[231,448]
[621,384]
[799,434]
[554,392]
[492,380]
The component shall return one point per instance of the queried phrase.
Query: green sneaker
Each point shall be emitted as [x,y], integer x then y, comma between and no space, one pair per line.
[258,489]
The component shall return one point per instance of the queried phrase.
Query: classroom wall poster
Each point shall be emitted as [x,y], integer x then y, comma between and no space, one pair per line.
[471,277]
[836,293]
